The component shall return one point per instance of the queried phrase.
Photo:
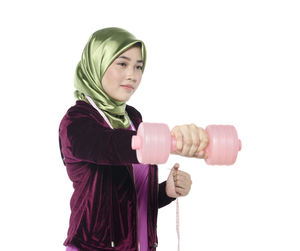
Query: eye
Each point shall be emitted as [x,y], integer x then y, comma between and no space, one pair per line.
[139,67]
[122,64]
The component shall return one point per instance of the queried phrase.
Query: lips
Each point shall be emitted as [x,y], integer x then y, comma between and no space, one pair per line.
[128,86]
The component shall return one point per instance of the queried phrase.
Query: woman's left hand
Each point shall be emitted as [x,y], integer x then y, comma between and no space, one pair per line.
[178,183]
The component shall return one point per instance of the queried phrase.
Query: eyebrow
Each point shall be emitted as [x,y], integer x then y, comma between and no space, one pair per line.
[129,59]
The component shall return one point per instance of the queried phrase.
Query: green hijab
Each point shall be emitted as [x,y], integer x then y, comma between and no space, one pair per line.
[102,48]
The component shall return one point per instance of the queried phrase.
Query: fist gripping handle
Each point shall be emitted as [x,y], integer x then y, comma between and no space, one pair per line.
[154,143]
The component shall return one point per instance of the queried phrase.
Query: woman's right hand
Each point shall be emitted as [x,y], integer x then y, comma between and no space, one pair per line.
[191,140]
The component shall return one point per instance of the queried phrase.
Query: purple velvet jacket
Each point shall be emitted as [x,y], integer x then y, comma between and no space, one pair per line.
[99,163]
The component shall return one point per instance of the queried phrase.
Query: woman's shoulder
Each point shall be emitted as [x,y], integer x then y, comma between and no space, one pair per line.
[81,107]
[81,111]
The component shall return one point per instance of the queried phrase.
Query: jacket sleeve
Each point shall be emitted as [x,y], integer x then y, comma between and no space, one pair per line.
[163,198]
[83,139]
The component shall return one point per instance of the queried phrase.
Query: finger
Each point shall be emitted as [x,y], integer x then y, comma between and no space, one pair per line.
[182,180]
[195,140]
[179,138]
[205,155]
[183,175]
[176,166]
[200,154]
[175,171]
[203,139]
[187,140]
[181,184]
[185,185]
[181,191]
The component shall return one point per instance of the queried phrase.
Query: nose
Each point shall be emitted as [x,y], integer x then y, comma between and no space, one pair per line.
[131,74]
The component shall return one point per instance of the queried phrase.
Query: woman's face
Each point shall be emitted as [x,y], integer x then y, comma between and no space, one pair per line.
[124,75]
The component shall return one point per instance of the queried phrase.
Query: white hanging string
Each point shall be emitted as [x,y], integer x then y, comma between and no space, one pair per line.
[177,224]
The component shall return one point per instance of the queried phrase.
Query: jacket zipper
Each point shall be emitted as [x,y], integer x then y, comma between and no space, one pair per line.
[136,209]
[112,243]
[137,215]
[157,193]
[154,179]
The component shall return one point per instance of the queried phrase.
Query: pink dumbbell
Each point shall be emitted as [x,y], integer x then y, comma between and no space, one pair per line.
[154,143]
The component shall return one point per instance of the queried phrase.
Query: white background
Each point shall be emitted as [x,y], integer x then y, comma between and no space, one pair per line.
[209,62]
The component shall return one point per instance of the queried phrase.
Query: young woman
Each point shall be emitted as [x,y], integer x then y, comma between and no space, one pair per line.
[115,201]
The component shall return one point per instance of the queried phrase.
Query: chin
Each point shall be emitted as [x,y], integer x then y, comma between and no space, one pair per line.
[127,99]
[123,99]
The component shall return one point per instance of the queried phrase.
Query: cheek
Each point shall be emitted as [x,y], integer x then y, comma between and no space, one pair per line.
[111,77]
[115,76]
[140,78]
